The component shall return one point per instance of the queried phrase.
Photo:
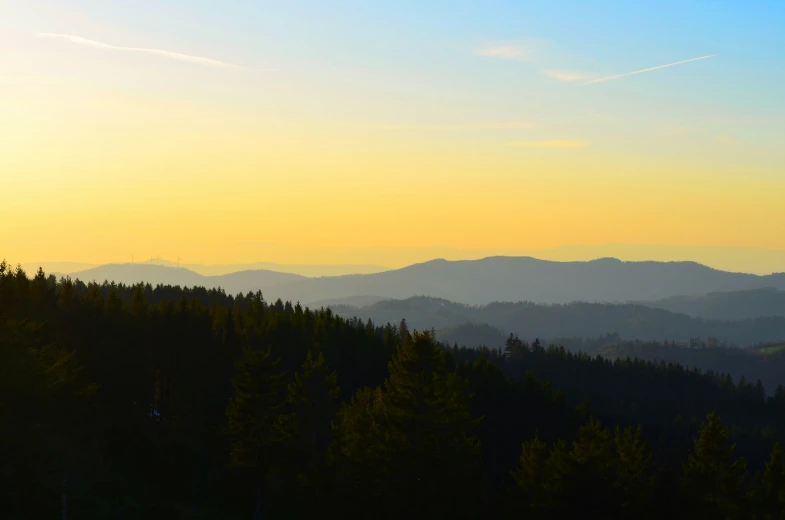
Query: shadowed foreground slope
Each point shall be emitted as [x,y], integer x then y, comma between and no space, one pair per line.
[204,405]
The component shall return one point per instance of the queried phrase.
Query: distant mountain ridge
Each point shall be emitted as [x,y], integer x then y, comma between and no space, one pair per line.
[474,282]
[376,259]
[574,320]
[233,283]
[523,278]
[751,303]
[222,269]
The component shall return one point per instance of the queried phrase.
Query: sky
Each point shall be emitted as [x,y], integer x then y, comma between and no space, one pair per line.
[348,132]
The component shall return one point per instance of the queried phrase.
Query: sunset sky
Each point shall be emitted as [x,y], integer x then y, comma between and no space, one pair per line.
[304,132]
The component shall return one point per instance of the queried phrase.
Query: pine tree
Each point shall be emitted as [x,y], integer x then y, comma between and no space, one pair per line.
[370,330]
[113,302]
[254,417]
[430,425]
[531,477]
[361,453]
[40,289]
[715,483]
[633,471]
[403,332]
[229,336]
[139,303]
[585,480]
[312,404]
[772,486]
[602,474]
[412,439]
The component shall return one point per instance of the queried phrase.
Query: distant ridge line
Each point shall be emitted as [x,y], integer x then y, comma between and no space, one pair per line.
[491,279]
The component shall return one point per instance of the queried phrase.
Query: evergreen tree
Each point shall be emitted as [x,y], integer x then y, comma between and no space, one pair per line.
[714,482]
[531,478]
[139,302]
[634,479]
[403,332]
[254,419]
[312,404]
[582,478]
[772,486]
[362,453]
[432,431]
[416,434]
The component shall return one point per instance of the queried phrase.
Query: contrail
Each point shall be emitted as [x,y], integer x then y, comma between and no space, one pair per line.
[167,54]
[602,80]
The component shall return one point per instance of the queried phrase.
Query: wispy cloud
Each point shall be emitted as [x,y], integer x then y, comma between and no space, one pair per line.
[158,52]
[557,143]
[569,75]
[504,51]
[513,125]
[609,78]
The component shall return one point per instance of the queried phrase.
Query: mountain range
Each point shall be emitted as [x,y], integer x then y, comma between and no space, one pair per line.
[733,305]
[341,261]
[473,282]
[489,324]
[67,268]
[479,302]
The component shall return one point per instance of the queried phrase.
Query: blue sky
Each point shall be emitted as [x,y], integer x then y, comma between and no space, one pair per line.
[460,99]
[426,46]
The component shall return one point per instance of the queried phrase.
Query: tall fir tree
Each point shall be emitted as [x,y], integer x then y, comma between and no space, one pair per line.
[634,473]
[531,498]
[312,401]
[582,477]
[254,422]
[361,453]
[772,486]
[437,454]
[714,481]
[413,438]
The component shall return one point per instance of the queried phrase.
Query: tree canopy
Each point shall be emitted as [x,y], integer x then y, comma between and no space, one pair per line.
[167,402]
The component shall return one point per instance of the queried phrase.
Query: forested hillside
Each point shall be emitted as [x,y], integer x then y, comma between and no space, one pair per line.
[736,305]
[766,363]
[163,402]
[531,320]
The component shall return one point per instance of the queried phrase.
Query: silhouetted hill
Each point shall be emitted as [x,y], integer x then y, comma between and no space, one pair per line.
[135,273]
[239,282]
[735,305]
[516,279]
[576,320]
[483,278]
[301,269]
[471,281]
